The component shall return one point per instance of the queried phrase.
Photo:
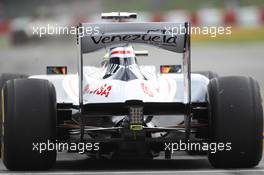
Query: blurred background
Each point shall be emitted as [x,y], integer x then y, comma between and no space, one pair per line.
[241,53]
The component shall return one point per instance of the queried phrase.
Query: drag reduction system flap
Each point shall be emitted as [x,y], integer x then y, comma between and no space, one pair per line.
[168,36]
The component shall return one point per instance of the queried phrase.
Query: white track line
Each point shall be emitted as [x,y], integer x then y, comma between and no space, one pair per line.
[154,172]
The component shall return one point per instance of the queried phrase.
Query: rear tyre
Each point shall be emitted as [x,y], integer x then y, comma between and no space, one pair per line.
[236,117]
[4,78]
[29,118]
[209,74]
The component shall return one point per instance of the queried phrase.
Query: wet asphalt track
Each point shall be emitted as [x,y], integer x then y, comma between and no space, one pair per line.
[231,59]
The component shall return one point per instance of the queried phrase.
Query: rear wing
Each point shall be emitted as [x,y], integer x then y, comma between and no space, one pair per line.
[173,37]
[168,36]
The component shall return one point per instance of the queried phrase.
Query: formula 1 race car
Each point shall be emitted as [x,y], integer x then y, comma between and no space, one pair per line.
[119,109]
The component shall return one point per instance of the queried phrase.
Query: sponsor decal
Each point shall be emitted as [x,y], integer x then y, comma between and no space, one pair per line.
[156,39]
[103,90]
[165,69]
[146,90]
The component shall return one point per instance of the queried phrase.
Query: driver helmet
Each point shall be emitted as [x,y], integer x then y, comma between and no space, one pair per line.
[122,55]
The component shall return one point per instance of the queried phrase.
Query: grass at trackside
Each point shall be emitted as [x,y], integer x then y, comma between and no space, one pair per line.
[238,35]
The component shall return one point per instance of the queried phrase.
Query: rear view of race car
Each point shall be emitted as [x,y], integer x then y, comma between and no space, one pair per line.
[116,111]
